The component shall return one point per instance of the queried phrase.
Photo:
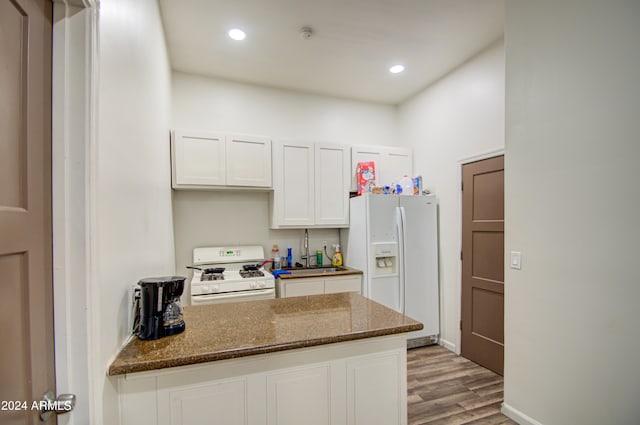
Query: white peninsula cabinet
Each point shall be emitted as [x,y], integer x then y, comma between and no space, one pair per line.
[333,359]
[205,160]
[391,163]
[311,185]
[354,383]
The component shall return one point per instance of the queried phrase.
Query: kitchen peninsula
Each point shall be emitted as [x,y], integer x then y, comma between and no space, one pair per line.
[334,358]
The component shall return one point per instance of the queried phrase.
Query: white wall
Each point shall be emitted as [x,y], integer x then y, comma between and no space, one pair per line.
[572,332]
[74,44]
[204,218]
[211,104]
[460,116]
[131,215]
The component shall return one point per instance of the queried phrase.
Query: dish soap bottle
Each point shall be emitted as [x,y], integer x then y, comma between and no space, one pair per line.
[336,260]
[275,256]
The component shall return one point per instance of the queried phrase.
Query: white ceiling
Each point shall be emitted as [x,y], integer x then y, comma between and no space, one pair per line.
[354,42]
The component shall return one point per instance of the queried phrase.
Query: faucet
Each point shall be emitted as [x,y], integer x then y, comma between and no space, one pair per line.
[305,257]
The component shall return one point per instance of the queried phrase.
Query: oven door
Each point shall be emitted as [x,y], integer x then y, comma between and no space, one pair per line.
[258,294]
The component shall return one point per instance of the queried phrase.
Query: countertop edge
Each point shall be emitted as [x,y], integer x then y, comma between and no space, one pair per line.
[346,272]
[115,370]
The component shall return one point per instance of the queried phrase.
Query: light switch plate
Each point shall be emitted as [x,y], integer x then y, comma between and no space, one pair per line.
[516,260]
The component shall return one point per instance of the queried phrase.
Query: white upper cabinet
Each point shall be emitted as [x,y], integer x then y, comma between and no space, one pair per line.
[293,197]
[202,160]
[331,184]
[198,158]
[397,162]
[364,154]
[248,161]
[311,185]
[391,163]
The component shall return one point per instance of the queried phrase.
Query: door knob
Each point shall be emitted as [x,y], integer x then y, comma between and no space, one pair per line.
[50,405]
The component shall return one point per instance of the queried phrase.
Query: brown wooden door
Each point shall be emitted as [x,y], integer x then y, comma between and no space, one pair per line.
[483,263]
[26,301]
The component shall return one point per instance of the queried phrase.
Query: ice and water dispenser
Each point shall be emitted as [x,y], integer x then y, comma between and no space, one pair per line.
[385,258]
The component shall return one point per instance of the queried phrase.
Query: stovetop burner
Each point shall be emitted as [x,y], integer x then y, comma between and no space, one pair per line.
[211,276]
[213,270]
[251,273]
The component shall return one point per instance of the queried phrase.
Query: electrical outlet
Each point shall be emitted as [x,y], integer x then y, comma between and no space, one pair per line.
[324,244]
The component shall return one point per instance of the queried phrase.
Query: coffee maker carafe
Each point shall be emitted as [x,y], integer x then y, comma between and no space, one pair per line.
[160,310]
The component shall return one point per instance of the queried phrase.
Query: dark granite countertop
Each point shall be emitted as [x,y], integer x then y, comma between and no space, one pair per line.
[224,331]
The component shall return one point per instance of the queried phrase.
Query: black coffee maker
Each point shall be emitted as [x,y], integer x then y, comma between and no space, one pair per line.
[160,310]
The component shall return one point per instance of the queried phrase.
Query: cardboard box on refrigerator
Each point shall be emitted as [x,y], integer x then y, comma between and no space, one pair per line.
[365,176]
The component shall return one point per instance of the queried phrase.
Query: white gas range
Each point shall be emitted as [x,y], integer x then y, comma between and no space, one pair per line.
[230,273]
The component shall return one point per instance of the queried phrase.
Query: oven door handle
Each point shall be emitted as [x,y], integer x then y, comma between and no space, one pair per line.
[199,299]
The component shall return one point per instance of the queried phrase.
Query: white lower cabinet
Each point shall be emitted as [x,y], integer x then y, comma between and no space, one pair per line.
[300,287]
[227,401]
[360,382]
[368,376]
[343,284]
[302,393]
[318,285]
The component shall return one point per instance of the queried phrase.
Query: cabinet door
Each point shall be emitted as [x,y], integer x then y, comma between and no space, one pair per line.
[248,161]
[391,163]
[333,285]
[332,184]
[375,385]
[216,402]
[299,397]
[302,287]
[397,162]
[294,183]
[365,154]
[198,158]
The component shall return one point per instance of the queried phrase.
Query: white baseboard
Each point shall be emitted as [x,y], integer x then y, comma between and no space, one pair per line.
[517,415]
[448,345]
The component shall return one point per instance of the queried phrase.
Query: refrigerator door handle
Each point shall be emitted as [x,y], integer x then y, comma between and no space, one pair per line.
[401,220]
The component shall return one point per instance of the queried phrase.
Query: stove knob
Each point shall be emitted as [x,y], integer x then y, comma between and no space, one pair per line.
[261,284]
[202,289]
[252,285]
[215,288]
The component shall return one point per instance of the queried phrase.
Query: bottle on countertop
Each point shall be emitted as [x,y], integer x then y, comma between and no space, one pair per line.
[289,257]
[275,256]
[319,258]
[336,260]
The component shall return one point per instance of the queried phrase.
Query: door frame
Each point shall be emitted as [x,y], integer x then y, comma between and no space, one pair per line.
[74,124]
[456,347]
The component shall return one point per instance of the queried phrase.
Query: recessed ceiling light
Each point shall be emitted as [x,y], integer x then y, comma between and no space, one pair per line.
[237,34]
[396,69]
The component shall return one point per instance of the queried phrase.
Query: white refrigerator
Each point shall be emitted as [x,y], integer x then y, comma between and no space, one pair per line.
[394,241]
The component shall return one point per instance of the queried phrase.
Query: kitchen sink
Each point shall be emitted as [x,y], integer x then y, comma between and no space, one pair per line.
[316,270]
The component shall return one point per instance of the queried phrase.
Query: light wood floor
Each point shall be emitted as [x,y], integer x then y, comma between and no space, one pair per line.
[447,389]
